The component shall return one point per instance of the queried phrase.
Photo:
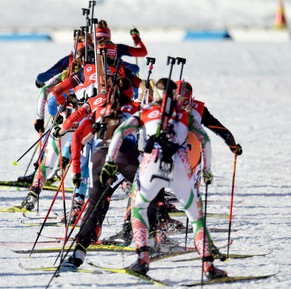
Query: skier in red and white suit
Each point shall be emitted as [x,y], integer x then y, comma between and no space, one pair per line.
[165,163]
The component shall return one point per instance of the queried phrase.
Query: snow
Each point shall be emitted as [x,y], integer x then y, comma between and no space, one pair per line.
[245,85]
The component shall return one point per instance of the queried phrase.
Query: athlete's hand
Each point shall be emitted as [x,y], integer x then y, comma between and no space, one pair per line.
[237,149]
[72,99]
[39,125]
[39,84]
[56,131]
[134,32]
[207,177]
[108,172]
[76,179]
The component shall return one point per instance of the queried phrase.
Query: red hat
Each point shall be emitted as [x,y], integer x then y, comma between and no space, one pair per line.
[103,32]
[111,51]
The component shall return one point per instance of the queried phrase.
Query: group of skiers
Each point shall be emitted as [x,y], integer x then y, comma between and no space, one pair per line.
[108,132]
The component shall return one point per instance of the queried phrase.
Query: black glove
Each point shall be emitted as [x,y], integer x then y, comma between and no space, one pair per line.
[237,149]
[39,84]
[76,179]
[72,99]
[39,125]
[108,172]
[134,32]
[56,131]
[207,177]
[59,119]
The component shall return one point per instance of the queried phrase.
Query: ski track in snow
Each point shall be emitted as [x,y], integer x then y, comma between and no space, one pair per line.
[247,87]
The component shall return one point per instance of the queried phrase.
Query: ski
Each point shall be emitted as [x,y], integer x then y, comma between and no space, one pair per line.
[61,269]
[232,256]
[27,185]
[127,271]
[229,279]
[209,215]
[30,243]
[156,256]
[38,216]
[173,253]
[58,238]
[47,224]
[96,247]
[14,209]
[221,230]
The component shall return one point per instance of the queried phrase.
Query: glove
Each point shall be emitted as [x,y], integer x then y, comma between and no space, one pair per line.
[237,149]
[59,119]
[108,172]
[39,125]
[134,32]
[207,177]
[56,131]
[76,179]
[72,99]
[39,84]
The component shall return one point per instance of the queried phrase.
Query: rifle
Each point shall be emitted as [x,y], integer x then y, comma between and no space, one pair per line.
[150,61]
[92,5]
[168,101]
[97,82]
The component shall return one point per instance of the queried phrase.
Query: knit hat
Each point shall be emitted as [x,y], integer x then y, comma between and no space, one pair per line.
[102,30]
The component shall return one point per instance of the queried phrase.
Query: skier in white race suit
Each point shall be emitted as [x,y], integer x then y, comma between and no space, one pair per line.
[165,163]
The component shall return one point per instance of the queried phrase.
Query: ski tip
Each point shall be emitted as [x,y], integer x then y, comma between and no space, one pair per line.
[15,163]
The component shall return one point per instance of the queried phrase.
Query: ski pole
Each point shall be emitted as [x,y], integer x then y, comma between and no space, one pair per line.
[39,167]
[204,231]
[231,204]
[16,162]
[34,152]
[61,109]
[63,186]
[56,272]
[186,233]
[50,208]
[67,238]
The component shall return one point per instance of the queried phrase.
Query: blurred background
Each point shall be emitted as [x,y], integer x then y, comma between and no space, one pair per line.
[167,19]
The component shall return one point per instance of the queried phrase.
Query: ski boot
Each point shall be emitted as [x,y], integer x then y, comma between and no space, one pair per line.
[31,199]
[77,259]
[26,179]
[172,226]
[123,238]
[161,243]
[78,204]
[126,187]
[212,272]
[142,265]
[57,174]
